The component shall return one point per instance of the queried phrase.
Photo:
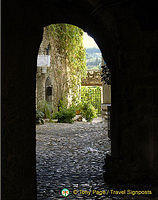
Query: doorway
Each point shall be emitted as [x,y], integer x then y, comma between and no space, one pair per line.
[71,155]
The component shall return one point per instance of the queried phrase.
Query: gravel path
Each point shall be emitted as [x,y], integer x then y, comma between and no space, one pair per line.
[71,156]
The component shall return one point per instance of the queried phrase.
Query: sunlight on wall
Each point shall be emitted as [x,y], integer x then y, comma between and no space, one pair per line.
[88,41]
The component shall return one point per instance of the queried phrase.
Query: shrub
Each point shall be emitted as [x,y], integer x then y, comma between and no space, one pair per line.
[45,108]
[92,95]
[65,115]
[88,111]
[39,117]
[78,107]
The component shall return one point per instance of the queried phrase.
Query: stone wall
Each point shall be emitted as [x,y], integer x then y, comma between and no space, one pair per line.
[58,73]
[93,78]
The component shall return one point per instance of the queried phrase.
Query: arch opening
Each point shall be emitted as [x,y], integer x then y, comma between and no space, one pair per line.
[125,40]
[90,92]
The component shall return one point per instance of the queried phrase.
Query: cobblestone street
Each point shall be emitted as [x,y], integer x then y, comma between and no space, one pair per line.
[71,156]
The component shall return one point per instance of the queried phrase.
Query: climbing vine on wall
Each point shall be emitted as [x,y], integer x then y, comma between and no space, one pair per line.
[68,40]
[93,96]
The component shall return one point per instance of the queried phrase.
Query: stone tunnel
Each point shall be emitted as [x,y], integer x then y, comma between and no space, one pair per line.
[126,32]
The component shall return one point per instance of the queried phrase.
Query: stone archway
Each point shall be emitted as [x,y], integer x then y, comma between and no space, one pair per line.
[127,34]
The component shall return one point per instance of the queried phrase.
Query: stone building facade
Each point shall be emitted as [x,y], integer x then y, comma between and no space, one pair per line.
[106,104]
[53,74]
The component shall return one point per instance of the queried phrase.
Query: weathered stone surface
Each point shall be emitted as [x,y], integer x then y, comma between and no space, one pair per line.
[70,156]
[58,74]
[93,78]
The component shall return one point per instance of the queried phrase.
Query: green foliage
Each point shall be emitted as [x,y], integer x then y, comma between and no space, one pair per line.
[78,105]
[63,103]
[39,117]
[69,42]
[65,115]
[88,111]
[92,95]
[45,108]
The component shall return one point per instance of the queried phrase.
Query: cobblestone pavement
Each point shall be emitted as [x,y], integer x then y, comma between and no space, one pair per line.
[71,156]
